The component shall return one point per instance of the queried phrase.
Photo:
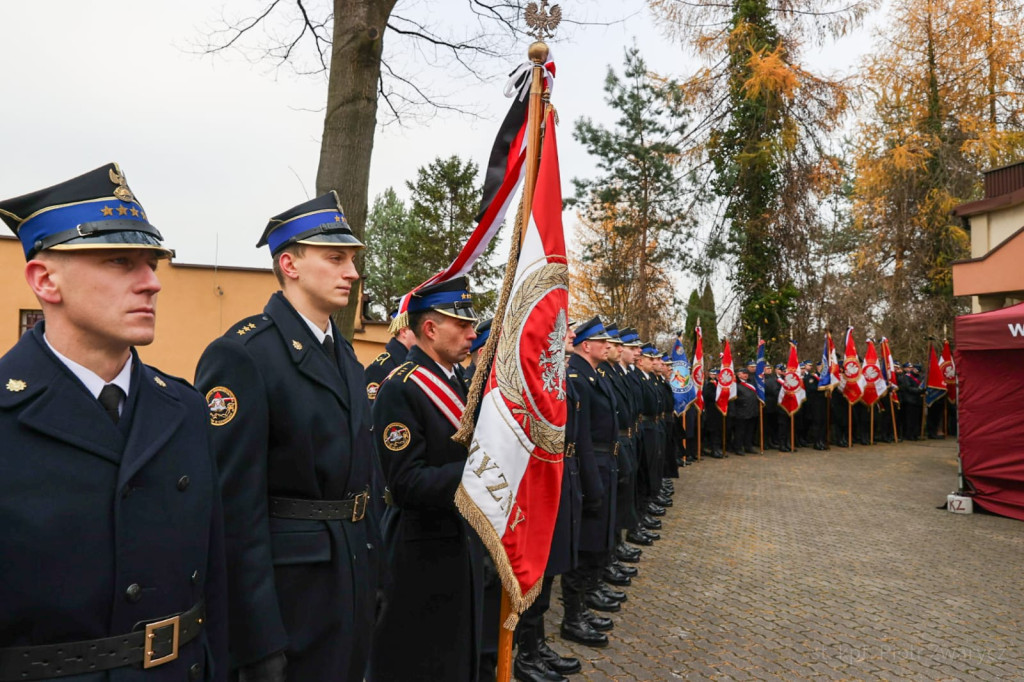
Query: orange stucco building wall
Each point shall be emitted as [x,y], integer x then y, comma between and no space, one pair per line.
[197,304]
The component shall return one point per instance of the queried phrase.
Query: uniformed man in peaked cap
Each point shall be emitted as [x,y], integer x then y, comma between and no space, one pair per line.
[431,623]
[394,355]
[483,332]
[290,424]
[110,521]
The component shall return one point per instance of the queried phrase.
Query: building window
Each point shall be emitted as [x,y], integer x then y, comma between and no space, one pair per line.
[28,319]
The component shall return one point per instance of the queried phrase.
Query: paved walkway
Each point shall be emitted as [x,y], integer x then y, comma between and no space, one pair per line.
[821,565]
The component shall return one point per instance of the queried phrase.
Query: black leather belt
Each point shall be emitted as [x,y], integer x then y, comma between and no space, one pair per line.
[626,433]
[607,447]
[647,418]
[352,509]
[570,449]
[153,645]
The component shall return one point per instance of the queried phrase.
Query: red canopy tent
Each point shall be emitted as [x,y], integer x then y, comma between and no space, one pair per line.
[990,373]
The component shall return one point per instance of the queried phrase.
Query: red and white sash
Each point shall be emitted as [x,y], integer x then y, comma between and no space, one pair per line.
[440,393]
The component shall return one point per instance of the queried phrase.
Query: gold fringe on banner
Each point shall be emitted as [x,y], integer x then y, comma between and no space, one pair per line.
[482,525]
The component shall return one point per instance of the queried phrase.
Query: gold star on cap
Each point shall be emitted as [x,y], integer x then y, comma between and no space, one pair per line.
[296,344]
[337,218]
[122,210]
[107,210]
[135,212]
[16,385]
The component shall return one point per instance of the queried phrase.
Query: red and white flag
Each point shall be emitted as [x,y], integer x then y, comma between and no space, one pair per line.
[948,369]
[889,366]
[512,480]
[875,384]
[851,380]
[506,168]
[792,395]
[726,390]
[697,372]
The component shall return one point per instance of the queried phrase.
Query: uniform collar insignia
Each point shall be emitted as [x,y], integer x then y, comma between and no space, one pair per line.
[16,385]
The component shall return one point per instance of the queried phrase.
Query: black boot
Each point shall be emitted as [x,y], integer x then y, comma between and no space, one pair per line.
[628,571]
[599,623]
[613,576]
[575,626]
[630,555]
[563,665]
[637,538]
[650,523]
[612,593]
[529,666]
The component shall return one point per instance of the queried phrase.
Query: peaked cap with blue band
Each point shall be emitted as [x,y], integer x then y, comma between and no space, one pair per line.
[650,350]
[451,298]
[590,331]
[483,332]
[320,222]
[629,337]
[94,210]
[612,330]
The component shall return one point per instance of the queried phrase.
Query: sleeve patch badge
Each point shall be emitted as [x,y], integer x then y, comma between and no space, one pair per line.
[396,436]
[371,390]
[223,405]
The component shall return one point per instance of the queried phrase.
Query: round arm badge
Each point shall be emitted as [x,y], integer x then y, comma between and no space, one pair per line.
[223,405]
[396,436]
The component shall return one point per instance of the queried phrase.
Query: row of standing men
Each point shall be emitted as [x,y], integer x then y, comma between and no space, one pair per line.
[823,419]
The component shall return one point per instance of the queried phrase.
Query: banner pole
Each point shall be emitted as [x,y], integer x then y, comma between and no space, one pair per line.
[849,423]
[892,411]
[700,446]
[872,425]
[924,414]
[538,52]
[828,421]
[723,434]
[792,433]
[945,416]
[760,421]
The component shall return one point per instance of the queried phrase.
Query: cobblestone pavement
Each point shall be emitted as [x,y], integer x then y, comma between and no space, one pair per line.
[820,565]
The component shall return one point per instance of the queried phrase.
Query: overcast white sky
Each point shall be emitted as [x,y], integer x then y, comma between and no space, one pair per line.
[214,147]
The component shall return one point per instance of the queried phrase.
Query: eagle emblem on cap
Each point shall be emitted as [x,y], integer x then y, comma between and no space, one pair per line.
[121,191]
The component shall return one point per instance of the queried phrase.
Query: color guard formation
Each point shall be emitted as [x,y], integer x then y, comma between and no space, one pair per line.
[293,516]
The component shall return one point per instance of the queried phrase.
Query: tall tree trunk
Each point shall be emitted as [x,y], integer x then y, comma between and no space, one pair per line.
[351,118]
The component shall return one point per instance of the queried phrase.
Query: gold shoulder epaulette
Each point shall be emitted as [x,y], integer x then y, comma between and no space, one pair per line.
[403,370]
[382,358]
[247,326]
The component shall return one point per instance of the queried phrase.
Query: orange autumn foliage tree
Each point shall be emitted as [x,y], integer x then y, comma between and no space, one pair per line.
[943,101]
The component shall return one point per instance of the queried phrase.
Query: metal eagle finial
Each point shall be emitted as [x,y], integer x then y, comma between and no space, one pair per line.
[543,20]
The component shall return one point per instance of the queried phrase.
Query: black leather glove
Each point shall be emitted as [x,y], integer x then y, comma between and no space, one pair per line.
[273,668]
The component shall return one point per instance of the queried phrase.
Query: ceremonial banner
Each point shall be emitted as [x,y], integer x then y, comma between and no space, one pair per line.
[889,371]
[875,384]
[506,168]
[759,372]
[512,480]
[830,372]
[851,380]
[726,390]
[948,372]
[684,391]
[935,386]
[698,369]
[792,395]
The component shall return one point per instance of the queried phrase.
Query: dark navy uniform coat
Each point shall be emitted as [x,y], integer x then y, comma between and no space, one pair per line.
[105,525]
[301,429]
[430,625]
[599,524]
[382,365]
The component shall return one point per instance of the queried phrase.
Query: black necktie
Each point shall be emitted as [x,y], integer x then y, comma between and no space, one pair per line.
[328,345]
[110,399]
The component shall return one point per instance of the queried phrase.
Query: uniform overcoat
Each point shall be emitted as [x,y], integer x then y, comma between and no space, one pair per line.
[299,428]
[430,625]
[103,525]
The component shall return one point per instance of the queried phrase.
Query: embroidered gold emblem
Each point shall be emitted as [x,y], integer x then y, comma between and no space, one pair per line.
[296,344]
[371,390]
[121,191]
[16,385]
[159,382]
[223,405]
[396,436]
